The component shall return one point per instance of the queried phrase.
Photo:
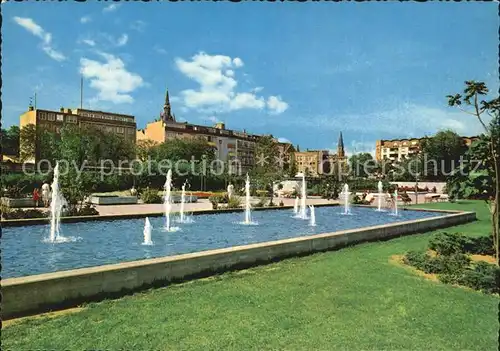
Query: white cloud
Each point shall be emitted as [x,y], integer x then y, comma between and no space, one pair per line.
[237,62]
[46,37]
[276,105]
[138,25]
[215,75]
[122,40]
[111,79]
[85,19]
[89,42]
[284,140]
[257,89]
[160,50]
[54,54]
[247,100]
[110,8]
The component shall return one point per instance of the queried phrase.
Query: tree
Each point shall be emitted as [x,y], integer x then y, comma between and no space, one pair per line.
[474,177]
[27,143]
[10,140]
[472,93]
[267,169]
[144,148]
[359,163]
[76,149]
[49,146]
[408,169]
[175,150]
[442,154]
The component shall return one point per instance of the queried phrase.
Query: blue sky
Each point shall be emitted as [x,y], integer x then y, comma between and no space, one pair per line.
[299,71]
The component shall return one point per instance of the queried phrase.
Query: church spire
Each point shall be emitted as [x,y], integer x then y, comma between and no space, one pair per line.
[340,147]
[166,115]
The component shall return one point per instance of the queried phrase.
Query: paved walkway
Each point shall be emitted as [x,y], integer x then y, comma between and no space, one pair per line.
[202,204]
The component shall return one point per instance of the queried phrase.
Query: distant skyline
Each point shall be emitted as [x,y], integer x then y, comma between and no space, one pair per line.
[301,72]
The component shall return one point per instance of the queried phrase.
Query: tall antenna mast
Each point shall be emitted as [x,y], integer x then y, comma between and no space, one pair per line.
[81,92]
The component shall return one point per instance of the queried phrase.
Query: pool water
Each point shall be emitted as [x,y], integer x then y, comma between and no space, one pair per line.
[25,251]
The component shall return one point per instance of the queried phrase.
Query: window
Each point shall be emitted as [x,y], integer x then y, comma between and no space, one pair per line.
[43,116]
[120,130]
[71,119]
[51,117]
[60,117]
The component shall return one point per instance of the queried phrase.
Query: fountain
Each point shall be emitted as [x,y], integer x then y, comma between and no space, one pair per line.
[183,218]
[303,208]
[346,193]
[248,206]
[296,205]
[380,194]
[248,214]
[147,233]
[56,205]
[396,202]
[312,221]
[167,206]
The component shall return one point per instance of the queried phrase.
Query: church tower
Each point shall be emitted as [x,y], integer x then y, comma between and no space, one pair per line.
[340,147]
[166,115]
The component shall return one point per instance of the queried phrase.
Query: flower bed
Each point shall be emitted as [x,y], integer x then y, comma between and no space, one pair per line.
[456,259]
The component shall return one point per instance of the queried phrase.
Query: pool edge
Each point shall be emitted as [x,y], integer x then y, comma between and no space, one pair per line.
[35,294]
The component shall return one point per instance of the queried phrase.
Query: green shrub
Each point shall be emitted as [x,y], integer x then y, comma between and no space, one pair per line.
[483,276]
[27,183]
[234,202]
[87,210]
[150,196]
[448,243]
[217,199]
[416,259]
[356,200]
[452,265]
[23,214]
[482,245]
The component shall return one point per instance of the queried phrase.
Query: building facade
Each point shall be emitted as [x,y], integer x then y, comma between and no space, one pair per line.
[232,147]
[53,121]
[311,162]
[314,163]
[399,149]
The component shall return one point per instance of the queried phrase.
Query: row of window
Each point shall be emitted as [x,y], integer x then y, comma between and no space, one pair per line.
[105,117]
[405,143]
[112,129]
[49,116]
[51,128]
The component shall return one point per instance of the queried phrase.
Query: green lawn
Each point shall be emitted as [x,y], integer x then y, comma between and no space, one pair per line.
[350,299]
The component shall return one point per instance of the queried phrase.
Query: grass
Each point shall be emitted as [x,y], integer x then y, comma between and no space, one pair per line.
[351,299]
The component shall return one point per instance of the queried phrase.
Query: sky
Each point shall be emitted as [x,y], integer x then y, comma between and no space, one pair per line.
[302,72]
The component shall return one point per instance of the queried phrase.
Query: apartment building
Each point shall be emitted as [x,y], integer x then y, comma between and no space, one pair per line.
[398,149]
[49,120]
[234,147]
